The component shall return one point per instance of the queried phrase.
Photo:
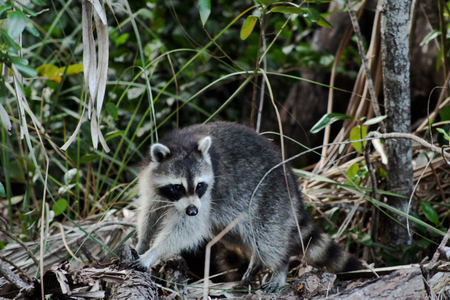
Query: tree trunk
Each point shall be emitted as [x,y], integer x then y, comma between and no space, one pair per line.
[396,76]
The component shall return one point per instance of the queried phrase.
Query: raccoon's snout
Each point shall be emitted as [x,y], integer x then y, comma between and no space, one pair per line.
[191,210]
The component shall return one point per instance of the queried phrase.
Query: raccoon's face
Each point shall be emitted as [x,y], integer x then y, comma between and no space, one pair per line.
[182,175]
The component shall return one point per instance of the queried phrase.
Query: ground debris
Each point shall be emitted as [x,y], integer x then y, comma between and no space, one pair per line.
[108,282]
[120,279]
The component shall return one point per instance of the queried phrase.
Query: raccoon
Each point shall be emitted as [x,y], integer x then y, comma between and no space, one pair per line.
[199,179]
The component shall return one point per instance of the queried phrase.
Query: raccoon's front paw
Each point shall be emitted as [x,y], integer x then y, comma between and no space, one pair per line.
[137,265]
[271,287]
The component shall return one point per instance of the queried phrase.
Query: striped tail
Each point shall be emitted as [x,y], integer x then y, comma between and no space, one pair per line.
[322,251]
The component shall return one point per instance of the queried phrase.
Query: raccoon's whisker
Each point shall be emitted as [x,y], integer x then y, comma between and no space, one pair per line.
[157,221]
[161,207]
[161,200]
[163,215]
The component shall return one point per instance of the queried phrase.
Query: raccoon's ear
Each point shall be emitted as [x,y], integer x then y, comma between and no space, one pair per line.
[159,152]
[204,144]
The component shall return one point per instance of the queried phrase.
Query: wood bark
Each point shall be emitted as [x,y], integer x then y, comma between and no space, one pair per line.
[396,76]
[403,284]
[136,285]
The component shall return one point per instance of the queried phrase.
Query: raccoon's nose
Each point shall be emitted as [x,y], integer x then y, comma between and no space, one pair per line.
[191,210]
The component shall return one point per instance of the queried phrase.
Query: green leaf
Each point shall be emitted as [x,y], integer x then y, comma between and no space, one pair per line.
[13,46]
[112,110]
[15,24]
[317,178]
[89,158]
[439,59]
[48,70]
[59,206]
[26,70]
[375,120]
[430,212]
[288,10]
[5,8]
[111,135]
[446,136]
[258,2]
[247,27]
[445,113]
[365,239]
[443,135]
[71,70]
[204,7]
[28,11]
[19,60]
[311,14]
[424,244]
[329,119]
[352,172]
[2,190]
[31,29]
[358,133]
[268,2]
[429,37]
[332,215]
[122,39]
[324,23]
[419,227]
[39,2]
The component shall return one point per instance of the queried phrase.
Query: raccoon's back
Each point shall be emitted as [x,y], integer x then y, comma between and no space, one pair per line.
[235,149]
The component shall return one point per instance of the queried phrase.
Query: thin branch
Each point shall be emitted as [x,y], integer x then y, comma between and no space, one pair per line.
[443,37]
[440,248]
[208,251]
[373,177]
[373,95]
[18,241]
[398,135]
[15,280]
[263,82]
[22,272]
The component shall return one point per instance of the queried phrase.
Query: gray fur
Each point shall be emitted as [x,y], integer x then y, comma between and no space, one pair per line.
[231,159]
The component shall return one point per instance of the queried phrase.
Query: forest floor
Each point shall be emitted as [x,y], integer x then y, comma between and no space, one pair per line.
[115,280]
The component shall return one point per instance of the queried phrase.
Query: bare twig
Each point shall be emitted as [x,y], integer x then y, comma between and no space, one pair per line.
[441,189]
[14,279]
[18,241]
[440,248]
[370,267]
[208,252]
[373,95]
[399,135]
[443,37]
[16,267]
[263,82]
[373,177]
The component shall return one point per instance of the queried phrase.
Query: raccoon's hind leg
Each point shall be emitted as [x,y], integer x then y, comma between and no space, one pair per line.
[253,268]
[278,280]
[275,261]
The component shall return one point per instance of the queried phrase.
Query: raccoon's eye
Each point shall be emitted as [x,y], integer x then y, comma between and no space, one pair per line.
[177,187]
[172,192]
[201,189]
